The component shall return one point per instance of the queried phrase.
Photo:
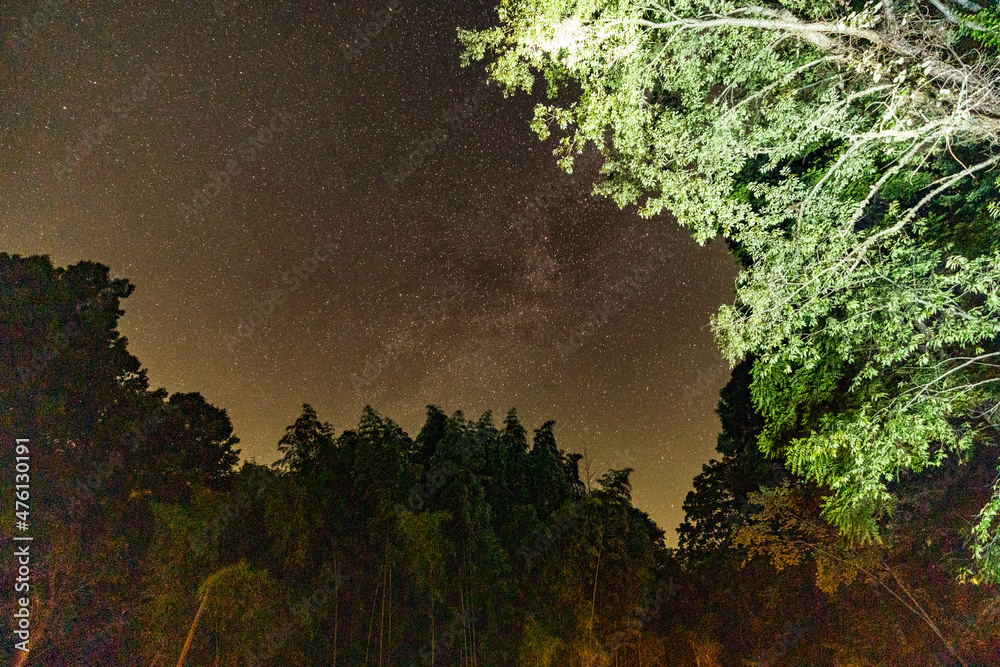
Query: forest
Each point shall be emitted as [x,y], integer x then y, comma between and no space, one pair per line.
[473,543]
[845,151]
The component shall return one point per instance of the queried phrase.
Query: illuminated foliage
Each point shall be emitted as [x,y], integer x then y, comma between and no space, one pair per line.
[848,152]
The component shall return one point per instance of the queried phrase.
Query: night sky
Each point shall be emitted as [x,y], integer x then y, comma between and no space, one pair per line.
[317,204]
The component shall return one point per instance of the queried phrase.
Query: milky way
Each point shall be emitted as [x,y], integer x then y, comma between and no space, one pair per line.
[317,204]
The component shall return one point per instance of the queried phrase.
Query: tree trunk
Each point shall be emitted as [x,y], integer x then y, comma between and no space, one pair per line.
[925,616]
[465,646]
[194,624]
[371,624]
[593,599]
[336,607]
[430,575]
[381,619]
[388,632]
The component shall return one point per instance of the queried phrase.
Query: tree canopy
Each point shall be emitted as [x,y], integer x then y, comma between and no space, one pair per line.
[848,153]
[103,448]
[474,543]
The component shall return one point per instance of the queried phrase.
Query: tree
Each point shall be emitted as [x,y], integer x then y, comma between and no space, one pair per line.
[67,380]
[554,474]
[194,444]
[786,531]
[848,150]
[719,501]
[306,443]
[102,448]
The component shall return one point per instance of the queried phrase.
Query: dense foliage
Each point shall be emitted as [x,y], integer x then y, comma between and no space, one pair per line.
[471,543]
[848,152]
[767,581]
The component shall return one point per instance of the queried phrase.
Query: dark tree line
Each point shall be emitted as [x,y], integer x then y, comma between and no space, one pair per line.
[473,543]
[767,581]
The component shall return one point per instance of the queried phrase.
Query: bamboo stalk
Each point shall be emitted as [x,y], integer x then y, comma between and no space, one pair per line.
[381,619]
[336,607]
[926,617]
[371,623]
[465,625]
[194,624]
[388,634]
[593,600]
[430,578]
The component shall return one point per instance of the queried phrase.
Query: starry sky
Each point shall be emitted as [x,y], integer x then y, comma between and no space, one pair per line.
[318,205]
